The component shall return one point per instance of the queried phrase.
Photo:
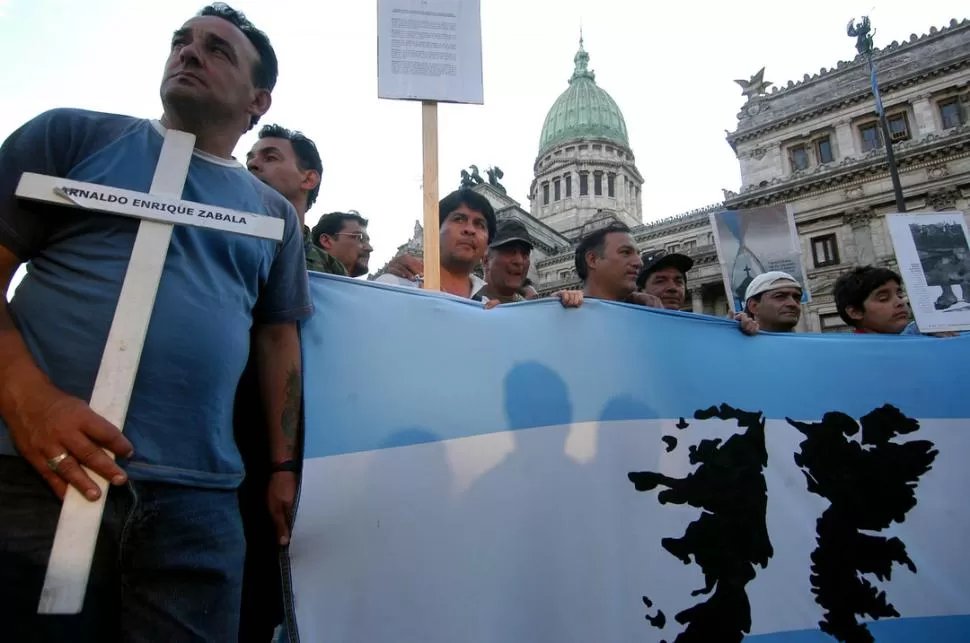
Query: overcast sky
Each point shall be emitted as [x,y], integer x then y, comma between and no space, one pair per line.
[669,67]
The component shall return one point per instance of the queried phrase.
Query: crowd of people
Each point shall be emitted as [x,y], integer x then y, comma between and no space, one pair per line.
[205,477]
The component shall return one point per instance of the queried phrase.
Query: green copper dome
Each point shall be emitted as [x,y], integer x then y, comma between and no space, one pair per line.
[583,111]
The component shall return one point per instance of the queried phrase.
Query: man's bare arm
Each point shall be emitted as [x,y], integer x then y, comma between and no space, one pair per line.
[43,421]
[18,372]
[281,386]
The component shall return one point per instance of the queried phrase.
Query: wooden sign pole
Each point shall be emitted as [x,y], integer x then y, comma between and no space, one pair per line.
[429,141]
[160,210]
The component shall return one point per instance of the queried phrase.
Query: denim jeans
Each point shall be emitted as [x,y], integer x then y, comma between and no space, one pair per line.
[262,602]
[167,566]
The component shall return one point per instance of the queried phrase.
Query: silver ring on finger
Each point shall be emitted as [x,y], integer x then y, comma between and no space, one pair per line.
[56,461]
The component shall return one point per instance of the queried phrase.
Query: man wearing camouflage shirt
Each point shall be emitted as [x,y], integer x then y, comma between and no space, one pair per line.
[339,245]
[319,260]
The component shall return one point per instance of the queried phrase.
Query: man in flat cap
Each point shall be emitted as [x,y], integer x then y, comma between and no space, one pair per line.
[507,263]
[664,275]
[774,300]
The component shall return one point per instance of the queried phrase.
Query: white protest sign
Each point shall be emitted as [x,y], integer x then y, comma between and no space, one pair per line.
[933,254]
[77,529]
[430,50]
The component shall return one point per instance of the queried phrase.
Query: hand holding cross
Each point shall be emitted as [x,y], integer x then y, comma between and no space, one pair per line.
[58,433]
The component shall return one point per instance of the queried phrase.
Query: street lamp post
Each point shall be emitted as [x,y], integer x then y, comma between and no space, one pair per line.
[863,35]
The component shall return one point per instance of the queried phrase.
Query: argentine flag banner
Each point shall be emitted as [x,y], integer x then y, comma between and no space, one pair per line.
[534,474]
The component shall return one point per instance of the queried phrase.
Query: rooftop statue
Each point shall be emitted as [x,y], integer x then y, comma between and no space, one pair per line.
[756,86]
[495,173]
[862,32]
[470,180]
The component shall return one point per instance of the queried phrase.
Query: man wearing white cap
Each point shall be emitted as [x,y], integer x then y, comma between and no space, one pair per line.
[774,300]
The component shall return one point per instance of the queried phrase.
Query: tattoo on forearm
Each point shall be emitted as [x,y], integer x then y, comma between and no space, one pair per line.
[290,418]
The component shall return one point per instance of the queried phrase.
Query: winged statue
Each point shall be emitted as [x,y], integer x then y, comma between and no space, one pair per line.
[862,32]
[756,86]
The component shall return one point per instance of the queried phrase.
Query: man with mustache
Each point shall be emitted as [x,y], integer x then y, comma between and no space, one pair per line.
[507,263]
[468,225]
[664,275]
[168,564]
[343,237]
[774,300]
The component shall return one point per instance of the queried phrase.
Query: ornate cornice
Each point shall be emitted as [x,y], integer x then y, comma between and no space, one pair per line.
[537,228]
[813,108]
[839,104]
[926,152]
[581,141]
[937,172]
[693,219]
[859,216]
[943,199]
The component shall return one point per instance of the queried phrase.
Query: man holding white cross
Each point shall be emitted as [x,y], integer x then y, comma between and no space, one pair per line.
[168,563]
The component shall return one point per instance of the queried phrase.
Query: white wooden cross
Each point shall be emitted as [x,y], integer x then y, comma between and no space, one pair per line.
[160,210]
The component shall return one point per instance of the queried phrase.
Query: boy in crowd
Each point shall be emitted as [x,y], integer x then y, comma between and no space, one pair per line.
[872,300]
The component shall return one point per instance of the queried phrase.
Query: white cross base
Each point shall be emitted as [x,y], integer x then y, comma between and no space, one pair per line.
[77,529]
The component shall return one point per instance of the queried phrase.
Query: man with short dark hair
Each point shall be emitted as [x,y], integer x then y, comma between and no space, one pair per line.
[774,300]
[289,162]
[507,263]
[608,262]
[170,553]
[664,275]
[468,225]
[871,299]
[340,237]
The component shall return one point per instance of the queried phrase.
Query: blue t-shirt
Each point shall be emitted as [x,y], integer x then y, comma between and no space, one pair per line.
[214,287]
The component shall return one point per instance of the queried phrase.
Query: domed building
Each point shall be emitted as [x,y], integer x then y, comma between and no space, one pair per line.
[585,169]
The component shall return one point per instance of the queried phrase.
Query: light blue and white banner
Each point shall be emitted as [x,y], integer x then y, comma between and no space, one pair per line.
[612,473]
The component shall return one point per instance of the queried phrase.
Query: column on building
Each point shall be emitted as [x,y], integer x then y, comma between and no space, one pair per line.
[697,299]
[627,194]
[844,139]
[923,113]
[860,220]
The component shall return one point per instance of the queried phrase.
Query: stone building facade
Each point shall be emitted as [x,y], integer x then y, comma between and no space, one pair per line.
[817,145]
[814,145]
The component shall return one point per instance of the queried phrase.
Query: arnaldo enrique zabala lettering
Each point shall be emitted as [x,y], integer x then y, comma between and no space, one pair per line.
[171,208]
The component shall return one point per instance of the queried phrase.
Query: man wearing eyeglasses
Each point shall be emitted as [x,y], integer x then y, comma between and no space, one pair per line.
[340,238]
